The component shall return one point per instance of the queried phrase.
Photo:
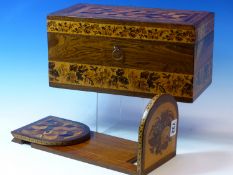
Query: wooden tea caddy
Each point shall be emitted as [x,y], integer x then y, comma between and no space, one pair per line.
[130,51]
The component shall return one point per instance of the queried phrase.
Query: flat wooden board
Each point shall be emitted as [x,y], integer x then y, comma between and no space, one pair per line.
[53,131]
[102,150]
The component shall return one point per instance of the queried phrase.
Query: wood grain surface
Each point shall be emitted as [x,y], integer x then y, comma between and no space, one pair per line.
[154,56]
[102,150]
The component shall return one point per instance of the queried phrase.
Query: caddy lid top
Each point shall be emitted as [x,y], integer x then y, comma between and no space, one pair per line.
[134,14]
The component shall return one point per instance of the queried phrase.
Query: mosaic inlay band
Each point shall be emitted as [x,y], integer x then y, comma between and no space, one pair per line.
[121,31]
[121,79]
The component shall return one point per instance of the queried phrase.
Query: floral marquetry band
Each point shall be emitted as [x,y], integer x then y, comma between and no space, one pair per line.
[121,31]
[120,79]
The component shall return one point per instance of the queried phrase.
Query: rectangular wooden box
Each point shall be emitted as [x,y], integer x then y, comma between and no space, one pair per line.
[131,51]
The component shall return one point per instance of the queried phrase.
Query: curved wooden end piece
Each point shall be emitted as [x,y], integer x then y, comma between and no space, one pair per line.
[157,133]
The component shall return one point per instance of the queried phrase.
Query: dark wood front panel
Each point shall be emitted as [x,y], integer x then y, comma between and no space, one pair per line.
[146,55]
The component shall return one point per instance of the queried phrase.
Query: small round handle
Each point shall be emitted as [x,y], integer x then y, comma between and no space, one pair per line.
[117,53]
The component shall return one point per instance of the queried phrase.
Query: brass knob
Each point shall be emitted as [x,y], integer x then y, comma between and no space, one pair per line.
[117,53]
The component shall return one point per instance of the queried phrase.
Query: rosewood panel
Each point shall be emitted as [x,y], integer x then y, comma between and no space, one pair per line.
[146,55]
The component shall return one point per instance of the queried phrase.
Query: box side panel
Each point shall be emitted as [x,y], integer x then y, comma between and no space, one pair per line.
[203,64]
[203,61]
[204,26]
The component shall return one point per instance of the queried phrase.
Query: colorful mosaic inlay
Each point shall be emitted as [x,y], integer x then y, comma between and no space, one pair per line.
[53,131]
[121,79]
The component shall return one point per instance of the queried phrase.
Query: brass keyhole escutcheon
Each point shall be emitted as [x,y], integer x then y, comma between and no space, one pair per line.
[117,53]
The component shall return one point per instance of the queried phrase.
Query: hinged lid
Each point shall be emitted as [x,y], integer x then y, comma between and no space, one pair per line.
[139,23]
